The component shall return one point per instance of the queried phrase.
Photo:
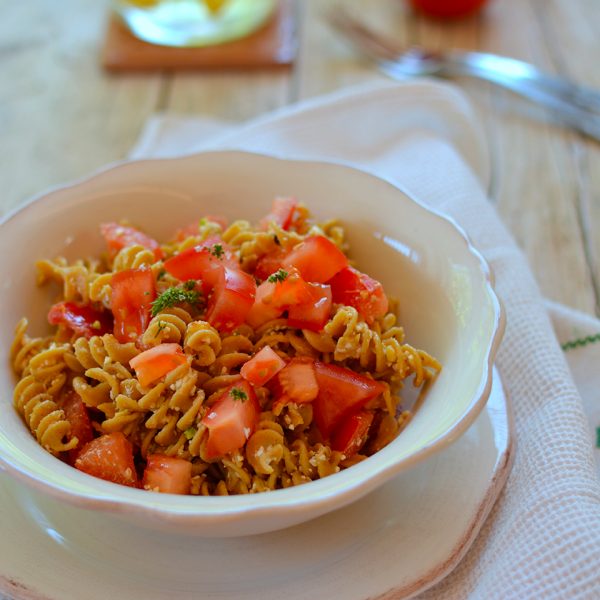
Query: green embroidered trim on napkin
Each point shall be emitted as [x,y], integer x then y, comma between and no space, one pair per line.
[580,342]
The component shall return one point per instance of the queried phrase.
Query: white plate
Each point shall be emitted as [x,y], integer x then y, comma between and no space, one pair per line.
[395,542]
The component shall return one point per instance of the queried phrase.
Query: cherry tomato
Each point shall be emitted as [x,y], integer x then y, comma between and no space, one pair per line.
[109,457]
[317,258]
[81,318]
[152,364]
[167,475]
[341,392]
[353,288]
[122,236]
[231,420]
[447,9]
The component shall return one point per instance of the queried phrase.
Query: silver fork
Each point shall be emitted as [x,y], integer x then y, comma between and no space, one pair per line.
[576,106]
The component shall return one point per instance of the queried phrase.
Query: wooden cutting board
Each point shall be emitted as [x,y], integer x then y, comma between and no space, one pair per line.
[275,44]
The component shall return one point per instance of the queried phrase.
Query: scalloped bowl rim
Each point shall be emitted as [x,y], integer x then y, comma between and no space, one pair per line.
[313,498]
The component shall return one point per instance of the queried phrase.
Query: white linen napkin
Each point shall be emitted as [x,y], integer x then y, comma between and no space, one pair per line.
[542,540]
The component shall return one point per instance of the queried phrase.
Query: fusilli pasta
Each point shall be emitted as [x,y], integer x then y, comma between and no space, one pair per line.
[253,388]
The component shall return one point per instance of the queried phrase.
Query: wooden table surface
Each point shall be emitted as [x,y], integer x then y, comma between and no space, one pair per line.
[61,116]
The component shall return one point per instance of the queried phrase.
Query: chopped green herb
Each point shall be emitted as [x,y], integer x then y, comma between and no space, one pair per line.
[202,222]
[238,394]
[146,293]
[160,326]
[173,296]
[161,274]
[189,433]
[189,285]
[278,276]
[276,240]
[217,250]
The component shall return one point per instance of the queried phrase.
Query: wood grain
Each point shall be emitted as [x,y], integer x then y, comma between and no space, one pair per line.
[62,117]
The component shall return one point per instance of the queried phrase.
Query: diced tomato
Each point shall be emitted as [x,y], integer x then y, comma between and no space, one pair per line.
[269,263]
[263,309]
[231,420]
[317,258]
[292,290]
[365,294]
[313,314]
[81,426]
[81,318]
[122,236]
[109,457]
[152,364]
[262,366]
[298,381]
[201,262]
[281,214]
[352,432]
[341,392]
[231,300]
[195,263]
[167,474]
[133,292]
[274,297]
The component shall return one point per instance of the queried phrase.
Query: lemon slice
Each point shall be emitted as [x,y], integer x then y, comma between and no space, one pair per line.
[214,5]
[144,3]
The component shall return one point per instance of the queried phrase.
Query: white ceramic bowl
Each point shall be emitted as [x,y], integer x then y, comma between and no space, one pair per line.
[448,307]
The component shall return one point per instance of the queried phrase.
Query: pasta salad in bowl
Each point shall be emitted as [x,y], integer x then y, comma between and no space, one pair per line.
[232,355]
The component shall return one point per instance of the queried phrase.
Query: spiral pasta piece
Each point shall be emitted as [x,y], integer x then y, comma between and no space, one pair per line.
[43,416]
[168,326]
[133,257]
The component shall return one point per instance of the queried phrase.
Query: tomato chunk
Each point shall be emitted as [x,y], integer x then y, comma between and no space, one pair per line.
[152,364]
[133,292]
[81,426]
[122,236]
[351,434]
[81,319]
[263,309]
[269,263]
[282,213]
[341,392]
[365,294]
[315,313]
[167,475]
[231,299]
[298,380]
[317,258]
[109,457]
[204,261]
[262,366]
[276,296]
[231,420]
